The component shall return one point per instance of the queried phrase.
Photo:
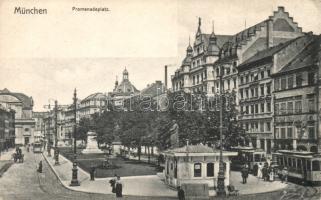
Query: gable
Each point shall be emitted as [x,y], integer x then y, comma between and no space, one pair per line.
[282,25]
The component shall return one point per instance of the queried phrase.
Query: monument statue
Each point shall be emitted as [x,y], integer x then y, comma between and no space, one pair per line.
[174,137]
[92,146]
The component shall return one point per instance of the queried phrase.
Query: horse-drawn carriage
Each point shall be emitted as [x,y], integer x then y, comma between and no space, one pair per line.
[18,157]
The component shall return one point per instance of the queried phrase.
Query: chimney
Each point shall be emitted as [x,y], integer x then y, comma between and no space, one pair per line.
[165,77]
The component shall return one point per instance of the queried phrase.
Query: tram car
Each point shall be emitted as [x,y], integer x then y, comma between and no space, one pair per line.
[37,147]
[249,156]
[303,166]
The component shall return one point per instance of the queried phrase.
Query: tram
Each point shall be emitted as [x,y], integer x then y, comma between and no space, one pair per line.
[303,166]
[37,147]
[249,156]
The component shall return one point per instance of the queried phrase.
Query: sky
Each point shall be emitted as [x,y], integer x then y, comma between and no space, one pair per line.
[47,56]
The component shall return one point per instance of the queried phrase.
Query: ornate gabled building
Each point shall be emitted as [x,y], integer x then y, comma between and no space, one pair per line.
[246,62]
[23,106]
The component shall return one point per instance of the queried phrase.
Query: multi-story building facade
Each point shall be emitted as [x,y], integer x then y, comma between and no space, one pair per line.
[7,128]
[39,131]
[23,106]
[245,62]
[296,97]
[94,103]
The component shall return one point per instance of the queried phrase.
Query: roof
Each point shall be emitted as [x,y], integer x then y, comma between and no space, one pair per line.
[193,149]
[304,59]
[125,88]
[153,90]
[97,95]
[266,53]
[27,102]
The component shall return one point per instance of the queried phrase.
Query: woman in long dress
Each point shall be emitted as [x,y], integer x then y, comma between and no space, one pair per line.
[259,171]
[119,188]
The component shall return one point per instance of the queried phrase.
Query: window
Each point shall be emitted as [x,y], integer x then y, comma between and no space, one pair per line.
[247,126]
[311,78]
[316,165]
[252,109]
[311,105]
[197,170]
[290,107]
[262,90]
[256,92]
[299,80]
[198,78]
[262,126]
[268,72]
[256,108]
[268,105]
[268,89]
[247,109]
[282,133]
[311,132]
[247,93]
[290,132]
[283,83]
[252,92]
[193,80]
[268,126]
[234,82]
[242,80]
[262,107]
[241,93]
[247,79]
[262,74]
[298,107]
[290,82]
[283,108]
[210,169]
[277,84]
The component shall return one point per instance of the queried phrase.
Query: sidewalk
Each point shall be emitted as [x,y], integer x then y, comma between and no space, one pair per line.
[133,185]
[150,185]
[6,155]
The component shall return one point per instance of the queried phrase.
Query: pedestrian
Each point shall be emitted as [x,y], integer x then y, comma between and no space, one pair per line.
[113,184]
[40,167]
[180,193]
[245,174]
[255,170]
[271,178]
[92,172]
[285,175]
[119,187]
[259,171]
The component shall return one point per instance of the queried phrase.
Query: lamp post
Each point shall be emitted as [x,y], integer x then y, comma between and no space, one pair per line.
[221,177]
[48,135]
[74,180]
[56,152]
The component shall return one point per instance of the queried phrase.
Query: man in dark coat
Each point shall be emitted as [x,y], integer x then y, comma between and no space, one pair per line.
[180,193]
[92,173]
[245,174]
[40,167]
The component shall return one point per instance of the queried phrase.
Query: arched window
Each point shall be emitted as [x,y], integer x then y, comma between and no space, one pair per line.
[197,169]
[210,169]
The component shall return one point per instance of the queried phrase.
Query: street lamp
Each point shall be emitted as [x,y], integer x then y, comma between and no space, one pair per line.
[74,180]
[221,177]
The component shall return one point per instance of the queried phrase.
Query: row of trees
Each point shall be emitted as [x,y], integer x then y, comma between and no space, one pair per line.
[146,124]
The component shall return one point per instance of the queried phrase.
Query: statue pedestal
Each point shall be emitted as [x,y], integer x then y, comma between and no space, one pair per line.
[92,146]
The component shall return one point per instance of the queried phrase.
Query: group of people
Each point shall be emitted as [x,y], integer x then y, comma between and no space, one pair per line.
[117,186]
[264,172]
